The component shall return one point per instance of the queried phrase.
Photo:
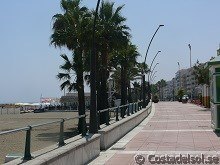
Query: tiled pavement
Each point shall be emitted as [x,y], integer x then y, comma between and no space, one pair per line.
[173,129]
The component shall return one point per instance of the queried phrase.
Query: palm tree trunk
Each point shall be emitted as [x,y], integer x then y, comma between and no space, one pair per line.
[129,92]
[81,94]
[123,90]
[104,117]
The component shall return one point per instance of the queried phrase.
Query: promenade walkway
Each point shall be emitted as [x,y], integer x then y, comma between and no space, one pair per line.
[172,129]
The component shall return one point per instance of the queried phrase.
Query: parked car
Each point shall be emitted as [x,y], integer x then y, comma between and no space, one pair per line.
[185,98]
[155,99]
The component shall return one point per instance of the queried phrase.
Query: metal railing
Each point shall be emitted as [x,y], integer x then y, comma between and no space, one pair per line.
[120,111]
[27,152]
[117,113]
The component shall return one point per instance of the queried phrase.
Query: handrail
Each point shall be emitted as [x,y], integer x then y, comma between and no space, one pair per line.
[131,108]
[38,125]
[14,130]
[52,122]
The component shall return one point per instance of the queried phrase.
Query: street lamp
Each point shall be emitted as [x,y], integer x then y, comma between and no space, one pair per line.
[151,74]
[153,62]
[179,74]
[151,42]
[190,70]
[148,83]
[143,76]
[93,122]
[151,77]
[154,59]
[154,68]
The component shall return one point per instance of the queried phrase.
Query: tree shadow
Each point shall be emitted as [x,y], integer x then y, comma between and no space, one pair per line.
[54,136]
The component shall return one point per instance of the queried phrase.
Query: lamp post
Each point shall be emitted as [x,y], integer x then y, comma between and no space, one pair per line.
[179,74]
[154,68]
[143,76]
[93,122]
[153,62]
[190,70]
[152,72]
[148,83]
[151,78]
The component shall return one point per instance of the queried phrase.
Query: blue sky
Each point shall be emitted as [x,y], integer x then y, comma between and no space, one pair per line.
[28,64]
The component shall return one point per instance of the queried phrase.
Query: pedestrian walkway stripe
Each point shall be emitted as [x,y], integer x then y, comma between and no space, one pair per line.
[178,130]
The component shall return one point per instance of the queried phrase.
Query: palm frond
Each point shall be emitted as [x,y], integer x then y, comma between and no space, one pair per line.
[63,76]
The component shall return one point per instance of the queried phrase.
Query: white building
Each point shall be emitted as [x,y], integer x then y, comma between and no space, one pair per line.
[71,99]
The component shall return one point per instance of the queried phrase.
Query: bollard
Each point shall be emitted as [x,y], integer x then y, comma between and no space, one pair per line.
[61,139]
[27,152]
[117,109]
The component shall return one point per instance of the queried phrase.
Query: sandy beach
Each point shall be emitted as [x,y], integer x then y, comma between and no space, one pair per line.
[41,137]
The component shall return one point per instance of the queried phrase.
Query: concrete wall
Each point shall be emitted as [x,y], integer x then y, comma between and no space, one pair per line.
[115,131]
[78,152]
[6,111]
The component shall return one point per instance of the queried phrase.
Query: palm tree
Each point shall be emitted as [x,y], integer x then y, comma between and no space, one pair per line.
[161,84]
[111,32]
[137,91]
[67,74]
[126,59]
[71,30]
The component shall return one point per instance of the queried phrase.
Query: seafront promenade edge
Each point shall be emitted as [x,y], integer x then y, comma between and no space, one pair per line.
[172,128]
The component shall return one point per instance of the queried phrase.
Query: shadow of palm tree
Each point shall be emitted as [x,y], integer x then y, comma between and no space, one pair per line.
[54,136]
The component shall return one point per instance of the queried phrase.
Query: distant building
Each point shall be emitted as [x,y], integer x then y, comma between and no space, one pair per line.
[185,79]
[169,90]
[71,99]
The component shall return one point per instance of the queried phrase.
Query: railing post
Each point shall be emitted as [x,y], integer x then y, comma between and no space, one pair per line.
[98,118]
[117,109]
[27,152]
[107,117]
[61,139]
[134,108]
[132,111]
[128,109]
[84,129]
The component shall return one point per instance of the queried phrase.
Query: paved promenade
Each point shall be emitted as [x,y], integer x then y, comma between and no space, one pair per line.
[181,131]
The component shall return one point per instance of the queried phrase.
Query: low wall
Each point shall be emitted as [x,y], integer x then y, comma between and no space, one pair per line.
[115,131]
[6,111]
[78,152]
